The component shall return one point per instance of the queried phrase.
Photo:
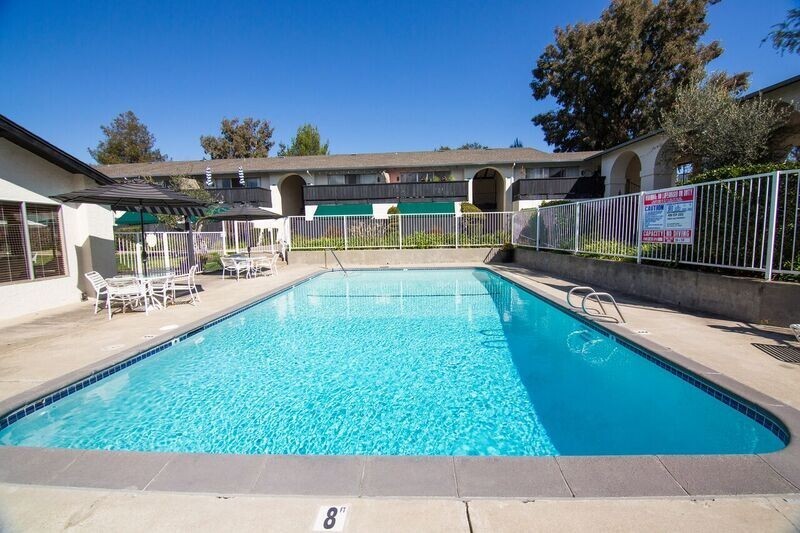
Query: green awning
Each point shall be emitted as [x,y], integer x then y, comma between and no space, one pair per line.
[343,209]
[413,208]
[129,218]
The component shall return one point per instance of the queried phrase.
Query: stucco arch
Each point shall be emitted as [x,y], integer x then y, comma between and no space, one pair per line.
[290,188]
[664,166]
[488,187]
[626,173]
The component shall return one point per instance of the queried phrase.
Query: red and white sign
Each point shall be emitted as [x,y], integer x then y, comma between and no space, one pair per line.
[669,216]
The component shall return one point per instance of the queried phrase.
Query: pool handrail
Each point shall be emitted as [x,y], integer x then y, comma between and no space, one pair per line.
[337,260]
[597,296]
[582,288]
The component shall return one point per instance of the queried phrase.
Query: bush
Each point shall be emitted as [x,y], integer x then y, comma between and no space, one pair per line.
[467,207]
[551,203]
[210,262]
[737,171]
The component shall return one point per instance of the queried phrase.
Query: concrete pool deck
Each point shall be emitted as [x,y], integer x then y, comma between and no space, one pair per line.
[34,354]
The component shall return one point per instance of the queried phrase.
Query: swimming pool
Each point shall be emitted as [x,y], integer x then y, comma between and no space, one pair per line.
[417,362]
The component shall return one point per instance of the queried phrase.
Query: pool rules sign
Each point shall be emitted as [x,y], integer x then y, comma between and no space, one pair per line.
[669,216]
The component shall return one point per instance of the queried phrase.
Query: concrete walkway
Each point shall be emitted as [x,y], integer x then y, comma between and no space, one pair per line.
[39,348]
[26,508]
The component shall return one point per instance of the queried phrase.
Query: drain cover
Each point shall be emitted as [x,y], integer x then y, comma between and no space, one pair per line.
[149,336]
[642,332]
[781,352]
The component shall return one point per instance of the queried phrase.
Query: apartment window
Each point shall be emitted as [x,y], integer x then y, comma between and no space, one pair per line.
[683,172]
[552,172]
[351,179]
[426,176]
[335,179]
[13,258]
[44,233]
[45,249]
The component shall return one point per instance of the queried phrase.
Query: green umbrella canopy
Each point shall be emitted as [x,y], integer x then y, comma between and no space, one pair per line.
[343,209]
[413,208]
[244,212]
[130,218]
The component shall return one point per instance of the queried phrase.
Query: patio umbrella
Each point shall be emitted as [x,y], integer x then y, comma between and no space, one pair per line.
[139,197]
[131,218]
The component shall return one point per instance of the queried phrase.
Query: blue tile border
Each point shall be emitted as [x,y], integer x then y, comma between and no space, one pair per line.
[750,410]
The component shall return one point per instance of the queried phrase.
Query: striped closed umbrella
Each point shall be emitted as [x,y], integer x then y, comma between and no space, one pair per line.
[139,197]
[209,181]
[241,177]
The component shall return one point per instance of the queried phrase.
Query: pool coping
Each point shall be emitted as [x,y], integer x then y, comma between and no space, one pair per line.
[412,476]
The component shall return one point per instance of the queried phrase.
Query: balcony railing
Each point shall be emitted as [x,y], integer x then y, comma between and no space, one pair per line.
[559,188]
[249,195]
[442,191]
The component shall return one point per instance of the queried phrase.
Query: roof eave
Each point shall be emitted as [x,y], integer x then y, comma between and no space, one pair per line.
[36,145]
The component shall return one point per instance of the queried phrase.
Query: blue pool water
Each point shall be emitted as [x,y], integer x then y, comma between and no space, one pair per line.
[434,362]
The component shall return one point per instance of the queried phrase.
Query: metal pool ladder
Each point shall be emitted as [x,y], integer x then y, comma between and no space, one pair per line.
[598,297]
[340,263]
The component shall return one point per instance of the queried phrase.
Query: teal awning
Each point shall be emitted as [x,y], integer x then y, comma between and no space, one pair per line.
[413,208]
[129,218]
[343,209]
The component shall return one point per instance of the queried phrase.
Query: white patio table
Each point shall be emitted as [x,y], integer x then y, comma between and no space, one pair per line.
[148,281]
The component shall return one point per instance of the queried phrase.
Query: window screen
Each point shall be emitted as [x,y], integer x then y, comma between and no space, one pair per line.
[13,260]
[44,230]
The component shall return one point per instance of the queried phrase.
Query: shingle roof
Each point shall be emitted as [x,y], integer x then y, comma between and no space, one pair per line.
[382,161]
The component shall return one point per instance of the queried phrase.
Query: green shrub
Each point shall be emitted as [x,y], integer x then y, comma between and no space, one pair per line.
[551,203]
[737,171]
[210,262]
[467,207]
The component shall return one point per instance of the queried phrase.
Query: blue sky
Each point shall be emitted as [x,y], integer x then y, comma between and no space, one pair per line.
[373,76]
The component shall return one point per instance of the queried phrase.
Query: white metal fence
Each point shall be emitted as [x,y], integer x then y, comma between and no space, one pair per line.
[347,232]
[168,251]
[748,223]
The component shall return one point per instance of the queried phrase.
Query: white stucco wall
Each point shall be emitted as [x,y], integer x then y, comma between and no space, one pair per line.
[654,175]
[88,231]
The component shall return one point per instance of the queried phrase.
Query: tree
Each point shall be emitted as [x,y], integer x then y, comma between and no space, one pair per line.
[712,127]
[516,144]
[612,77]
[127,140]
[183,184]
[305,142]
[239,139]
[785,37]
[465,146]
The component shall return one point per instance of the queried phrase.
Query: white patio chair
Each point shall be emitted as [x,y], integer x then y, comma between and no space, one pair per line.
[229,264]
[186,283]
[128,292]
[265,265]
[272,266]
[163,288]
[100,287]
[796,330]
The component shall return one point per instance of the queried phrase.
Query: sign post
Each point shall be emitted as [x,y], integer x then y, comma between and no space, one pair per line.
[669,216]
